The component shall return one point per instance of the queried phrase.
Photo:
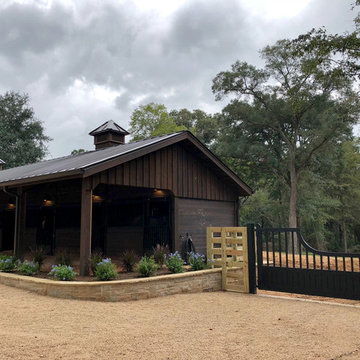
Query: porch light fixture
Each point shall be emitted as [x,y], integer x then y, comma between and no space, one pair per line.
[159,193]
[48,201]
[11,205]
[97,199]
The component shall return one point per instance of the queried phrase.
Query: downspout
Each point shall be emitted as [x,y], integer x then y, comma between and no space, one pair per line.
[7,191]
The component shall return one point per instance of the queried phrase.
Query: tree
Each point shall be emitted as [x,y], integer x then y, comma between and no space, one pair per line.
[286,113]
[22,138]
[204,126]
[78,151]
[152,120]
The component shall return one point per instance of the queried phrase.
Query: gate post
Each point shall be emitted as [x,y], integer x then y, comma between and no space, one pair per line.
[251,258]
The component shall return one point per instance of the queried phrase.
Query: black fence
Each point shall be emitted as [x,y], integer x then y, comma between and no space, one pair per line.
[286,262]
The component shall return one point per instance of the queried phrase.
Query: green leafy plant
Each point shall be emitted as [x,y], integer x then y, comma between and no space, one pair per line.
[147,266]
[38,255]
[8,263]
[159,253]
[129,259]
[105,270]
[96,257]
[64,258]
[28,268]
[197,261]
[174,262]
[62,272]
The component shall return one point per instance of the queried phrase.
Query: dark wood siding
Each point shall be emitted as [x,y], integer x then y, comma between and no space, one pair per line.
[194,216]
[173,168]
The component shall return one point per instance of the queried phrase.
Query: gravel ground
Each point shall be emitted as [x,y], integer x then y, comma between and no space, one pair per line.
[195,326]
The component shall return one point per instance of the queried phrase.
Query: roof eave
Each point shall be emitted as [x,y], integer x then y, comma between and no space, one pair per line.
[61,175]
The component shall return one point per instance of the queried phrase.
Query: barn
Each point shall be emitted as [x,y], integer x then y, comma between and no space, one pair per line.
[119,196]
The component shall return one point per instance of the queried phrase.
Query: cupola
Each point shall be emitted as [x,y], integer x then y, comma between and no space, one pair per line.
[108,134]
[2,163]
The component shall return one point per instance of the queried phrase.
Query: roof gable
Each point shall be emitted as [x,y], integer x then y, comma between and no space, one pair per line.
[90,163]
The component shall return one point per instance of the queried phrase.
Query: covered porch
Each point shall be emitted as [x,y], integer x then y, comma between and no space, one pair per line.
[76,217]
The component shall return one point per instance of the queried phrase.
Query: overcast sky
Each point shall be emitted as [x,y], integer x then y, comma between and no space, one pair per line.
[83,62]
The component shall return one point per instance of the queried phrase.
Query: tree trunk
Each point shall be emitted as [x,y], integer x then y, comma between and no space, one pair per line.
[344,235]
[293,202]
[293,198]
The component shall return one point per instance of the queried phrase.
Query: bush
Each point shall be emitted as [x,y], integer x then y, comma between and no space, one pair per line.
[62,272]
[96,257]
[8,263]
[174,262]
[28,268]
[64,258]
[159,253]
[129,259]
[147,266]
[197,261]
[38,255]
[106,270]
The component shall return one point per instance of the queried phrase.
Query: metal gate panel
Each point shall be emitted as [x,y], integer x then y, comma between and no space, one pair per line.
[287,263]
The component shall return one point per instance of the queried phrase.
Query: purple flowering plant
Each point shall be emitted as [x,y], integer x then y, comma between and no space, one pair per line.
[198,261]
[174,262]
[105,270]
[62,272]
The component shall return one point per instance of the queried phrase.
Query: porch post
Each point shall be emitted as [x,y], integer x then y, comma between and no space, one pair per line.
[86,226]
[20,224]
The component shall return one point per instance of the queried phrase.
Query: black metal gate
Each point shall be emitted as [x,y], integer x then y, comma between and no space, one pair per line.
[287,263]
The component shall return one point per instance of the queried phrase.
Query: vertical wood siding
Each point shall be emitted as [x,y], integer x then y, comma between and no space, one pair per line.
[194,216]
[173,168]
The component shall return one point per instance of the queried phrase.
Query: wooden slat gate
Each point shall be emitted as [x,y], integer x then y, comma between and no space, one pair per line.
[227,247]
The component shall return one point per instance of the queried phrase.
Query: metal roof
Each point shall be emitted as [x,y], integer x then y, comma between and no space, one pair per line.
[75,164]
[2,162]
[92,162]
[109,126]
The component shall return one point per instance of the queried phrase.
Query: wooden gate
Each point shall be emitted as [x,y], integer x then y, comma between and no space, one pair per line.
[227,247]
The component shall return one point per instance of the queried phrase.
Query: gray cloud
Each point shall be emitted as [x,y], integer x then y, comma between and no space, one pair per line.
[86,63]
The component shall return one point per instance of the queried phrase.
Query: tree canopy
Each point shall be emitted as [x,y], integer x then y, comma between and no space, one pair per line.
[22,137]
[152,120]
[281,116]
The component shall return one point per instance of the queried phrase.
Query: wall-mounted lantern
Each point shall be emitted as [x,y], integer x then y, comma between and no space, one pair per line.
[97,199]
[47,202]
[11,204]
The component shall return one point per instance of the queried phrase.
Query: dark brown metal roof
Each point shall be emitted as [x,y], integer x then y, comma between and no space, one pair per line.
[109,126]
[92,162]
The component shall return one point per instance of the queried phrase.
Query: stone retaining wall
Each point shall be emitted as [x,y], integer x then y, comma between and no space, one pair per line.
[119,290]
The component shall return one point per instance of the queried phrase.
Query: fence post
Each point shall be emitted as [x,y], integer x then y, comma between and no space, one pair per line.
[251,258]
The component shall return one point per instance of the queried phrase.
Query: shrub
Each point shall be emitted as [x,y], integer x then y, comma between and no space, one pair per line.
[174,262]
[129,259]
[64,258]
[96,257]
[8,263]
[62,272]
[147,266]
[38,255]
[197,261]
[105,270]
[159,253]
[28,268]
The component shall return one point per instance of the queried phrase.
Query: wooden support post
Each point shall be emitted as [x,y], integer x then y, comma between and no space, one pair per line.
[86,226]
[20,225]
[224,259]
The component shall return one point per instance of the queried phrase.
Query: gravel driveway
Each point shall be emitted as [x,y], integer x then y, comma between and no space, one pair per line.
[195,326]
